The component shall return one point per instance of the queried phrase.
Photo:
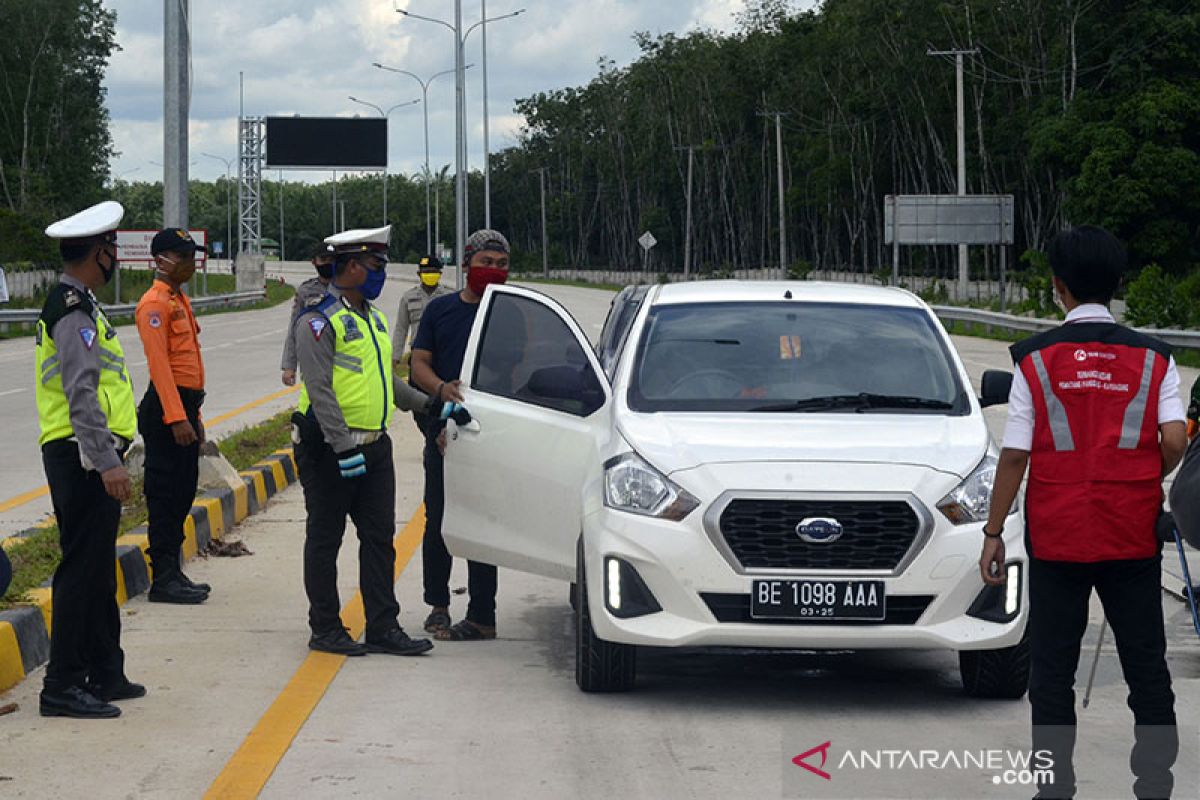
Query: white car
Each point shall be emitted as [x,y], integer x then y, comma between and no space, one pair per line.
[747,465]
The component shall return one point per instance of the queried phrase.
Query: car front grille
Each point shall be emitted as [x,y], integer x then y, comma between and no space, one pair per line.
[761,534]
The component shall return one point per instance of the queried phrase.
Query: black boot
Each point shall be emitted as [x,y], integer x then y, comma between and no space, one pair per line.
[191,584]
[171,589]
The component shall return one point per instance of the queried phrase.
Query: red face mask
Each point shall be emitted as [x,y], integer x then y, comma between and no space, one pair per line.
[479,278]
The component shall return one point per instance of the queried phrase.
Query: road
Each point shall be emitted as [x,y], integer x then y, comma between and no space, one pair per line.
[232,687]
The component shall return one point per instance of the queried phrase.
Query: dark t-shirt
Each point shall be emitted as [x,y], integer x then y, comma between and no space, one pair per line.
[444,330]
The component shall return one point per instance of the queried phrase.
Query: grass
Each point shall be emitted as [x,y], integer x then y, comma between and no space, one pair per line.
[35,557]
[1183,357]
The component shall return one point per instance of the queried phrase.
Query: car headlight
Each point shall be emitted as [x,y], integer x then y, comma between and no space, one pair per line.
[630,484]
[969,501]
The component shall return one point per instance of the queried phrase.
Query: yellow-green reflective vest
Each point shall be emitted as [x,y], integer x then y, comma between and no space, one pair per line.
[115,391]
[362,366]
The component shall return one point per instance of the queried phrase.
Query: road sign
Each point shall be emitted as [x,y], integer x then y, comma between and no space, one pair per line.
[647,240]
[948,219]
[218,248]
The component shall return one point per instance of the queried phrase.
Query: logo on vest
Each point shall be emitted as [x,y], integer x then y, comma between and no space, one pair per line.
[352,330]
[89,337]
[1081,355]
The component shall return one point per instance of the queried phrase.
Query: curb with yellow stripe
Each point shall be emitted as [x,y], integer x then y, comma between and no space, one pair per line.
[25,631]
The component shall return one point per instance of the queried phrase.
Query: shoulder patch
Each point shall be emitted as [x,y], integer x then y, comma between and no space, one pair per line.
[154,319]
[315,300]
[89,337]
[318,326]
[71,298]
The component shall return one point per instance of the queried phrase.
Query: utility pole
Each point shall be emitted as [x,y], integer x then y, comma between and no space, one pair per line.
[964,275]
[687,235]
[783,259]
[281,253]
[176,98]
[487,154]
[541,171]
[336,229]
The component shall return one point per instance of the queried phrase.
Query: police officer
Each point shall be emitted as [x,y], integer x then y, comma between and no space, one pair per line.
[343,451]
[169,414]
[1095,414]
[87,420]
[413,302]
[308,293]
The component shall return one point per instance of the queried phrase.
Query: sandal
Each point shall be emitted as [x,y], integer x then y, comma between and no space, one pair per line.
[437,620]
[465,631]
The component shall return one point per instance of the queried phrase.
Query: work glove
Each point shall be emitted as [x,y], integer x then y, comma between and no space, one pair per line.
[352,463]
[443,410]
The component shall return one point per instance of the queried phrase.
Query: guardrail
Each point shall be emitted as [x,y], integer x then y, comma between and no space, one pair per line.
[978,316]
[28,316]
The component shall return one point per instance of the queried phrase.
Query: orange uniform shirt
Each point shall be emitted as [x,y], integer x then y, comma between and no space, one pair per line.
[170,337]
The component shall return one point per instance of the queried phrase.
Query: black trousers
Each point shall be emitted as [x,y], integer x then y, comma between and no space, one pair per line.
[171,475]
[370,502]
[1059,593]
[435,558]
[85,640]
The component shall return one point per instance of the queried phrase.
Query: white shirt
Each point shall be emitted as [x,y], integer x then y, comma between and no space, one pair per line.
[1018,431]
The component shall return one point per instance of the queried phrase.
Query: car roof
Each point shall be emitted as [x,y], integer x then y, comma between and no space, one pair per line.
[771,291]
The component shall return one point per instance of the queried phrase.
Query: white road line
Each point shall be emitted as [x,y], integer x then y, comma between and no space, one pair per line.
[13,391]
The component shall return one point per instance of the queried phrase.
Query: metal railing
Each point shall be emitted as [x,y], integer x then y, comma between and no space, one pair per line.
[1011,322]
[28,316]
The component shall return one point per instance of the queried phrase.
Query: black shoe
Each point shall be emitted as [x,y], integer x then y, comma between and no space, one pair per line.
[77,703]
[126,690]
[174,590]
[398,643]
[191,584]
[336,641]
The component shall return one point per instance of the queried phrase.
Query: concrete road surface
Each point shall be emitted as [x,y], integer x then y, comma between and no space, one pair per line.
[237,704]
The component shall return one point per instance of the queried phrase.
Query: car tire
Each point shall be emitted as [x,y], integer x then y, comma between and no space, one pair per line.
[996,674]
[600,666]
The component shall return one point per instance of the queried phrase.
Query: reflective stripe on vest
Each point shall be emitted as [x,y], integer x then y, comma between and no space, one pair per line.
[362,368]
[114,391]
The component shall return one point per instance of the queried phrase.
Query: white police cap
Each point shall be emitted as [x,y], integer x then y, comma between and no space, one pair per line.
[360,240]
[100,218]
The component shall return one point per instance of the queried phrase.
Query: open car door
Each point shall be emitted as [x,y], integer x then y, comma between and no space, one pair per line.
[541,410]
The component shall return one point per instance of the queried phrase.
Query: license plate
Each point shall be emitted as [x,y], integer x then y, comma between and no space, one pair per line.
[817,600]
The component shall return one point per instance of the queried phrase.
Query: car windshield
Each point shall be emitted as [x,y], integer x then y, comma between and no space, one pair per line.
[794,357]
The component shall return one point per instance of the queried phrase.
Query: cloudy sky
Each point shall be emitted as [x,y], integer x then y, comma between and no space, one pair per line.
[306,56]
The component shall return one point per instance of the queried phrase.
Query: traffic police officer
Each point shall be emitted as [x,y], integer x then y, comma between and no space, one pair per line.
[343,451]
[1094,411]
[87,419]
[413,302]
[308,294]
[169,415]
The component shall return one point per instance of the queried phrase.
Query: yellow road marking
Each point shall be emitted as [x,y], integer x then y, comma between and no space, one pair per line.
[249,769]
[34,494]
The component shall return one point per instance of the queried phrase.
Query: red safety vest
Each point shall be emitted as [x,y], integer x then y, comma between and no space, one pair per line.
[1095,475]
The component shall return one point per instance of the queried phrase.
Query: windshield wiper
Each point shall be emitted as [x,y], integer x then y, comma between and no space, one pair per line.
[859,402]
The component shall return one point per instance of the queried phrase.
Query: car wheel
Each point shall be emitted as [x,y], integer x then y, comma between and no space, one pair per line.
[600,666]
[996,674]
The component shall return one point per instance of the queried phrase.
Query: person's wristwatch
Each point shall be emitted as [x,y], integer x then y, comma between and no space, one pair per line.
[995,535]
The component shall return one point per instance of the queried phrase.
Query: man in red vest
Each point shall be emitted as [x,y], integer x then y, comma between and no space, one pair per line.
[1095,414]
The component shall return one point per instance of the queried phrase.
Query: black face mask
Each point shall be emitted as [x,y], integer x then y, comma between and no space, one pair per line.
[111,269]
[325,270]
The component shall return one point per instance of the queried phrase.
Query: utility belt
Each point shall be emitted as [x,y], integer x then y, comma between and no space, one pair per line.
[305,428]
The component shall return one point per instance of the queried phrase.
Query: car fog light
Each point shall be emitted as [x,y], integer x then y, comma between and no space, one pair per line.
[614,584]
[1012,590]
[999,603]
[625,593]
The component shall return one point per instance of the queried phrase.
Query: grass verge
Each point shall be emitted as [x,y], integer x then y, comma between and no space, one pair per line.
[1183,357]
[35,557]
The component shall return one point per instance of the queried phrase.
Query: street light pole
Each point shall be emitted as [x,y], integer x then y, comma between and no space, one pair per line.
[460,183]
[385,115]
[487,153]
[964,275]
[228,214]
[425,106]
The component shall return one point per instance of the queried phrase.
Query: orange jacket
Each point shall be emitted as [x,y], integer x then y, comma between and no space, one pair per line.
[170,338]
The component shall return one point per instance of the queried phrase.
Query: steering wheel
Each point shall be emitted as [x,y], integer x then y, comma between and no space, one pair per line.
[710,381]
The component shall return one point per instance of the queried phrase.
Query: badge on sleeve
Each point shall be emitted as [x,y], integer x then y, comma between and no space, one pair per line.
[71,298]
[155,319]
[318,325]
[89,337]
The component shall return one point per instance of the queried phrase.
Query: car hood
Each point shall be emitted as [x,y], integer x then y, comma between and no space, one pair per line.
[679,441]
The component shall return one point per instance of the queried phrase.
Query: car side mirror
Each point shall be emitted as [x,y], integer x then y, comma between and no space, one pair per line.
[568,383]
[994,387]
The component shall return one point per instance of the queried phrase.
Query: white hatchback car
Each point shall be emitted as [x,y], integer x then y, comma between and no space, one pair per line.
[749,465]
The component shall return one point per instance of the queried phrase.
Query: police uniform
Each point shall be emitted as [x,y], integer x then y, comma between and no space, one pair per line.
[1087,403]
[412,305]
[170,338]
[344,455]
[87,420]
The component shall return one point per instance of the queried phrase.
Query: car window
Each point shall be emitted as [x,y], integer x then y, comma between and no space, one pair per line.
[781,356]
[528,353]
[616,328]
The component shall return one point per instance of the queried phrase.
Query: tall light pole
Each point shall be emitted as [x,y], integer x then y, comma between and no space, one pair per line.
[385,115]
[964,275]
[487,153]
[425,106]
[778,115]
[228,213]
[460,183]
[281,254]
[177,92]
